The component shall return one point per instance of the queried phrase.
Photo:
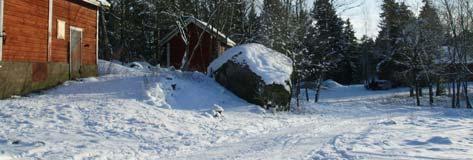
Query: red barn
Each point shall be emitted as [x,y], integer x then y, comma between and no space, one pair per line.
[212,44]
[46,42]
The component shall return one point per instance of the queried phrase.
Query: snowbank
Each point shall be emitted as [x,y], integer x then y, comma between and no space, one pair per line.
[190,90]
[142,65]
[106,67]
[331,84]
[273,67]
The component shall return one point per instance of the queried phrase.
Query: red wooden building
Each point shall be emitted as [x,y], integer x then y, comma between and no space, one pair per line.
[46,42]
[212,44]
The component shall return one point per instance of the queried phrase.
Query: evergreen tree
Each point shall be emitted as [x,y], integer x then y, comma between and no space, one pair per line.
[252,27]
[431,29]
[324,41]
[430,43]
[239,20]
[351,53]
[395,17]
[368,59]
[271,28]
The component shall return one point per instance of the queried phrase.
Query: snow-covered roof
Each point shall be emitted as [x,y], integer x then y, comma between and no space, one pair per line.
[207,27]
[99,3]
[273,67]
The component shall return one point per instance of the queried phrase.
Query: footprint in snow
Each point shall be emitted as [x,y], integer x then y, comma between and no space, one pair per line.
[433,140]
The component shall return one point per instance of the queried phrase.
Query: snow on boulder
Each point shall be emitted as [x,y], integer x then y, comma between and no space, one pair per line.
[256,74]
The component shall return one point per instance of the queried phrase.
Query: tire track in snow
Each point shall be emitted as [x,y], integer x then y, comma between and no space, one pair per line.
[288,143]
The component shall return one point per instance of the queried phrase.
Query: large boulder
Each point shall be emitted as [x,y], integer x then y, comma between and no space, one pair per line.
[256,74]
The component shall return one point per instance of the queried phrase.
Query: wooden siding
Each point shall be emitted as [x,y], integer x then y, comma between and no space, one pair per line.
[77,14]
[26,25]
[208,50]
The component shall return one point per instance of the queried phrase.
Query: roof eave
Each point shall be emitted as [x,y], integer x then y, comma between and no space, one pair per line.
[190,20]
[99,3]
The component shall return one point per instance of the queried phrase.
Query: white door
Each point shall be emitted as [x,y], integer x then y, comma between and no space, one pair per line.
[75,52]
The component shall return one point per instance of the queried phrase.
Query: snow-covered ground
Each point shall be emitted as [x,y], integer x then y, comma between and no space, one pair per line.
[132,114]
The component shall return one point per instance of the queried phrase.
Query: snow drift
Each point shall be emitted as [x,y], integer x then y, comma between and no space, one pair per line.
[107,67]
[331,84]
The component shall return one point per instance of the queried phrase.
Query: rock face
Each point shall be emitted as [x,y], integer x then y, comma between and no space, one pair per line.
[238,75]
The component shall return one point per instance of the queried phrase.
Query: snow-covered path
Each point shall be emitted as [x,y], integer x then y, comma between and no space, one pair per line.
[288,143]
[127,117]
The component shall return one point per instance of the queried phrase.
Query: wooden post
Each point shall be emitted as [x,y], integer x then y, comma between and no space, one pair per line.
[50,30]
[97,38]
[1,29]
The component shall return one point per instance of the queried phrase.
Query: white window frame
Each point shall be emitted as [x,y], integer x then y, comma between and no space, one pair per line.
[61,28]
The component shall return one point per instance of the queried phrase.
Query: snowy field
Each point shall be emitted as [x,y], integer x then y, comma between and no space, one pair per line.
[133,114]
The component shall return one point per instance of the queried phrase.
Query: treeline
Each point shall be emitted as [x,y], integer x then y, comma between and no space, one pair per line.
[136,26]
[430,50]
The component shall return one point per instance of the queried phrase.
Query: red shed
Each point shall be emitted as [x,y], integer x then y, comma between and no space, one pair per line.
[212,44]
[46,42]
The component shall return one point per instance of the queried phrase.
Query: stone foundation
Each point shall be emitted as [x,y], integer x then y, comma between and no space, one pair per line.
[20,78]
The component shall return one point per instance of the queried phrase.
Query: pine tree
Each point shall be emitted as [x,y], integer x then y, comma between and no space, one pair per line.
[368,59]
[271,31]
[251,30]
[324,45]
[351,53]
[395,16]
[431,40]
[239,22]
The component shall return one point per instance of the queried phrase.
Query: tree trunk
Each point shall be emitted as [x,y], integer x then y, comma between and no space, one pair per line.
[457,103]
[317,93]
[438,90]
[417,94]
[431,94]
[452,89]
[108,51]
[411,92]
[467,98]
[185,60]
[449,89]
[298,91]
[421,93]
[307,94]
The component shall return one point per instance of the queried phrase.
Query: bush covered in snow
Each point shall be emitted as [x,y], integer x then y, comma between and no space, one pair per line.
[255,73]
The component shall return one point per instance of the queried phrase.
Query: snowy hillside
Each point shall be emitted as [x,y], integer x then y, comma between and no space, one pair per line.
[134,114]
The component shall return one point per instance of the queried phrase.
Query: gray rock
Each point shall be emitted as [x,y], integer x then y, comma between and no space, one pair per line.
[239,79]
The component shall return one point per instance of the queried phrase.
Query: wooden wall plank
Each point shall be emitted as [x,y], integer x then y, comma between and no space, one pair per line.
[75,14]
[26,25]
